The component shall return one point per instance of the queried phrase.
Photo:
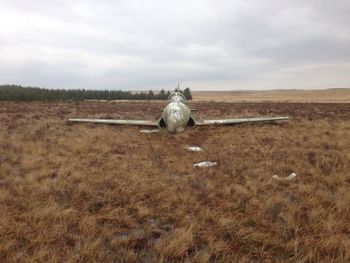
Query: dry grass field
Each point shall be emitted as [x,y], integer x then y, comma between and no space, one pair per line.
[99,193]
[327,95]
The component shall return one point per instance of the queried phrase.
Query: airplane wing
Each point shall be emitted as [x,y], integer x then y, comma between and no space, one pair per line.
[238,121]
[118,122]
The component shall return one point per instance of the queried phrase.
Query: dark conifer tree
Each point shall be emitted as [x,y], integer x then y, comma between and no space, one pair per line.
[19,93]
[187,93]
[162,95]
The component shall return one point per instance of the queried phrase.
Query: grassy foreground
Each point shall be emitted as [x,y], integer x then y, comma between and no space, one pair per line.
[98,193]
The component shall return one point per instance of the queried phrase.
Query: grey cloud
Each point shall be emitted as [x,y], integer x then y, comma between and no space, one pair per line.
[151,44]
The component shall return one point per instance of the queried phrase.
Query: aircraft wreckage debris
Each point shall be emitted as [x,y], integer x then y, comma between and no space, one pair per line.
[194,149]
[205,164]
[149,131]
[288,178]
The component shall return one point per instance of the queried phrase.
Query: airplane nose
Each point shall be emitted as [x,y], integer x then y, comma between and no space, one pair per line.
[176,122]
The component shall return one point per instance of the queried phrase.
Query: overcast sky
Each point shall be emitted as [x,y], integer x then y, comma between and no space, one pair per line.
[206,45]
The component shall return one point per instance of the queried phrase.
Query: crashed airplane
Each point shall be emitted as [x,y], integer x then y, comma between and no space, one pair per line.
[177,116]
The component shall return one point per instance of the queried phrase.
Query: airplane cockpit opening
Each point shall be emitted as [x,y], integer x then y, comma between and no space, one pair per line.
[177,97]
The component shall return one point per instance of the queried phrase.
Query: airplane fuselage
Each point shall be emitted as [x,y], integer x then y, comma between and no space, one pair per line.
[176,115]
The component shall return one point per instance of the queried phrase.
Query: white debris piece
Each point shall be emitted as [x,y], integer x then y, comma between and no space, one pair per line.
[193,148]
[205,164]
[149,131]
[288,178]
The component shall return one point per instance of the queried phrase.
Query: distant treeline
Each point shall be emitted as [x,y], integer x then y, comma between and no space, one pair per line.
[19,93]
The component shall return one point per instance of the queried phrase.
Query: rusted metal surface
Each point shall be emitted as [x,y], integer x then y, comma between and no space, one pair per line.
[177,116]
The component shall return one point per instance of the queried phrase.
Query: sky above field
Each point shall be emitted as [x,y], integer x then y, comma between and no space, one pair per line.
[206,45]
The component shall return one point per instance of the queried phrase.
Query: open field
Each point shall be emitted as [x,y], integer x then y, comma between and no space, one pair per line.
[85,192]
[328,96]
